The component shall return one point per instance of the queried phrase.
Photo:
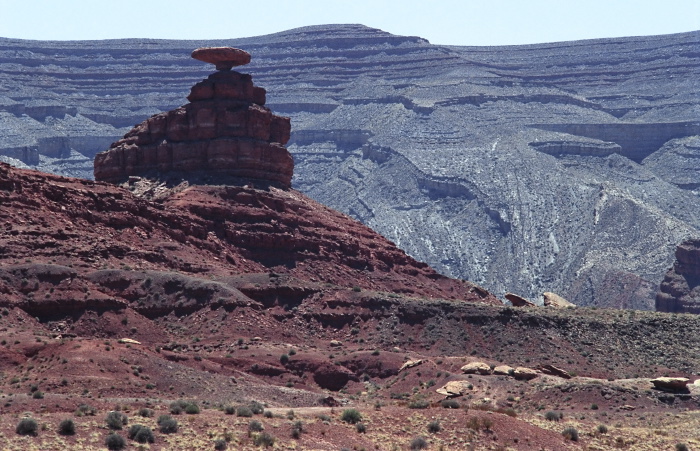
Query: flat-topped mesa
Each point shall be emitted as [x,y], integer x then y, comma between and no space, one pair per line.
[225,133]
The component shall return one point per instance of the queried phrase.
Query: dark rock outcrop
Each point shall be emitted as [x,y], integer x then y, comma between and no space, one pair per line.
[680,289]
[224,132]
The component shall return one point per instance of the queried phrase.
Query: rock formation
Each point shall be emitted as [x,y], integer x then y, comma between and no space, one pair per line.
[553,300]
[226,133]
[680,289]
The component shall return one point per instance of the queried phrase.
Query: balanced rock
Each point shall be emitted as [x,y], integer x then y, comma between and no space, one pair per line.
[519,301]
[524,373]
[555,301]
[476,368]
[224,58]
[225,135]
[671,383]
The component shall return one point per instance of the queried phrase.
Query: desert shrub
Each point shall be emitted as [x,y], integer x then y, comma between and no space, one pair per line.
[507,411]
[176,407]
[85,409]
[268,414]
[38,395]
[681,447]
[27,426]
[486,423]
[570,433]
[284,359]
[602,429]
[66,427]
[192,408]
[594,406]
[418,404]
[351,416]
[290,414]
[141,434]
[449,404]
[220,445]
[552,416]
[115,441]
[244,411]
[229,410]
[146,413]
[434,427]
[116,420]
[256,407]
[419,443]
[167,424]
[297,429]
[473,423]
[323,417]
[264,440]
[255,426]
[361,428]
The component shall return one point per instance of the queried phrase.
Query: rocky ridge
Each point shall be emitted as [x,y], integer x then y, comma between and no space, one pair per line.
[564,167]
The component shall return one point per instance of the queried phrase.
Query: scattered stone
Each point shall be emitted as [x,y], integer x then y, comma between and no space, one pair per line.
[453,389]
[554,371]
[671,383]
[519,301]
[524,373]
[503,370]
[555,301]
[476,368]
[410,364]
[627,407]
[256,339]
[129,341]
[336,343]
[224,58]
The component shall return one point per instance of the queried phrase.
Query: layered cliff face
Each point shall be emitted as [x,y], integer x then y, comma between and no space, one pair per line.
[565,167]
[680,289]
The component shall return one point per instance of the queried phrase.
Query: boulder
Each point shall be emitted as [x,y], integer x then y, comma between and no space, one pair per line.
[671,383]
[519,301]
[410,364]
[336,343]
[524,373]
[503,370]
[554,371]
[555,301]
[476,368]
[453,389]
[223,57]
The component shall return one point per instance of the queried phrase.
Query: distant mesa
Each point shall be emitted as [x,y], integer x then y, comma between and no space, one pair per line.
[225,135]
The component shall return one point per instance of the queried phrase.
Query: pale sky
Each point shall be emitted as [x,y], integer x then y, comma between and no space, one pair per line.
[466,22]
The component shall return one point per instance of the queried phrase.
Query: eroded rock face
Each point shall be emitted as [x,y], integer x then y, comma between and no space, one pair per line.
[226,131]
[680,290]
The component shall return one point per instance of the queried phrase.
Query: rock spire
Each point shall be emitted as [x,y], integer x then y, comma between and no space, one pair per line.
[225,133]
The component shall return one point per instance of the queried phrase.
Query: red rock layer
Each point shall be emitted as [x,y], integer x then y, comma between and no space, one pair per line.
[680,290]
[213,230]
[225,130]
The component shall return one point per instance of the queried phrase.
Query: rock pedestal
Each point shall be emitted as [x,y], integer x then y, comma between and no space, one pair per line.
[225,130]
[680,290]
